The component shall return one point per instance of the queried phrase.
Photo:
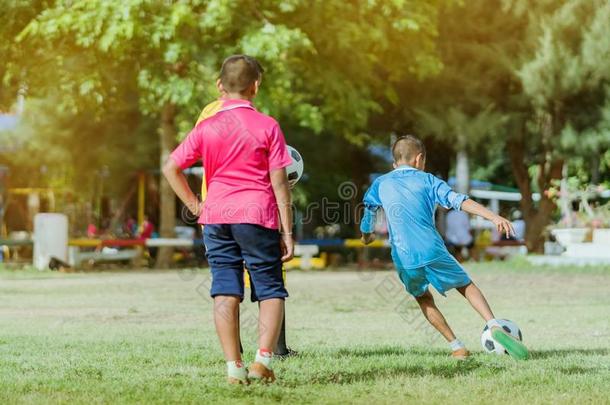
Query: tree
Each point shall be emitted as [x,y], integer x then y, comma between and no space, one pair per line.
[164,47]
[507,67]
[172,50]
[462,105]
[568,64]
[16,14]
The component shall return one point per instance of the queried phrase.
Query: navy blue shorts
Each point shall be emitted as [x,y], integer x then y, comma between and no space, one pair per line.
[228,246]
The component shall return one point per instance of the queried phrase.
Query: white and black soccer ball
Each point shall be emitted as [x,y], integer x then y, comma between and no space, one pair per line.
[295,170]
[488,342]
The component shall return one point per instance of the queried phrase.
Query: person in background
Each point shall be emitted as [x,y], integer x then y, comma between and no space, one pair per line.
[146,230]
[130,227]
[91,230]
[519,225]
[457,234]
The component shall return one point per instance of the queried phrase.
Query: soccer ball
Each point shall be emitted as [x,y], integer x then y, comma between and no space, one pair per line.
[488,342]
[295,170]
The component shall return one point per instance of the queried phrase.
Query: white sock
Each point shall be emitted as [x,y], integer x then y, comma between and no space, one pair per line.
[236,369]
[264,357]
[457,344]
[493,323]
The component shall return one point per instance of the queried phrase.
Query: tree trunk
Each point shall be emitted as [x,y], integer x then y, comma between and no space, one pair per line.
[462,172]
[595,163]
[537,217]
[167,222]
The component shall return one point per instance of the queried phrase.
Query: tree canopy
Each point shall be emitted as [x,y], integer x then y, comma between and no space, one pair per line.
[521,86]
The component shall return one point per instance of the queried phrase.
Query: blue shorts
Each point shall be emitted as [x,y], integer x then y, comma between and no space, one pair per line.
[228,246]
[444,274]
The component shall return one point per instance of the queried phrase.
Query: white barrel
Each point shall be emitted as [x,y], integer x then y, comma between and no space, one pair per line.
[50,239]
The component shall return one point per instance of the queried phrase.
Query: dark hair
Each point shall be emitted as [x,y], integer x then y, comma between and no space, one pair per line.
[407,147]
[238,72]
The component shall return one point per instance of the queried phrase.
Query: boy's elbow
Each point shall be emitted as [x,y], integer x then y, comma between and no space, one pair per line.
[170,167]
[462,203]
[280,185]
[279,180]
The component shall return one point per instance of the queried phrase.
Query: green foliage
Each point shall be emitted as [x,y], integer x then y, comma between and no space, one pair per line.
[464,104]
[568,75]
[105,69]
[572,54]
[468,131]
[15,16]
[176,48]
[480,76]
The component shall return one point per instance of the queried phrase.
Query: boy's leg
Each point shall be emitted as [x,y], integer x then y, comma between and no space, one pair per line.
[437,319]
[270,321]
[416,281]
[281,349]
[477,300]
[271,313]
[225,260]
[434,315]
[226,319]
[260,248]
[446,273]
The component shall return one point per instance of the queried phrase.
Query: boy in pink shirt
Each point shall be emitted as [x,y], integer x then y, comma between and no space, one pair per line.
[244,155]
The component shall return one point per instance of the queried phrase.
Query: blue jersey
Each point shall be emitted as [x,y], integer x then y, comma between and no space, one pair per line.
[409,197]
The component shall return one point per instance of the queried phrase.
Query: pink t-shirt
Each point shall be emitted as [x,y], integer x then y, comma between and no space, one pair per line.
[238,146]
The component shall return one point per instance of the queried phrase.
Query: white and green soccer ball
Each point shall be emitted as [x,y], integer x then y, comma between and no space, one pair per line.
[489,343]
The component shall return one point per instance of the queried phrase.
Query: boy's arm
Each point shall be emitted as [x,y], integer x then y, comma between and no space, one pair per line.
[372,203]
[367,225]
[187,153]
[445,196]
[502,224]
[177,181]
[279,183]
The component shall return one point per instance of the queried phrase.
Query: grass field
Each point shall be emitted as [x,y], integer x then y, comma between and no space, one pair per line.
[147,337]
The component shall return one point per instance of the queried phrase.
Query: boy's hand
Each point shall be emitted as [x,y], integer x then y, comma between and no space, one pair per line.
[287,246]
[367,238]
[195,207]
[503,226]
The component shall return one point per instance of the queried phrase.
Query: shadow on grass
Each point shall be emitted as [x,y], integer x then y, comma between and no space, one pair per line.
[382,371]
[576,370]
[560,353]
[377,351]
[364,352]
[406,362]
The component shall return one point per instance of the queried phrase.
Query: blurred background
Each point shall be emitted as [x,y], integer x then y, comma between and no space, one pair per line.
[512,99]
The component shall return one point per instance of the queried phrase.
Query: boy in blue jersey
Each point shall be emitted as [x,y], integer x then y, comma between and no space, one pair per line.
[409,196]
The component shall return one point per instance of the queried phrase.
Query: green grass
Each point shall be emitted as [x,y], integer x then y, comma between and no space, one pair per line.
[148,337]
